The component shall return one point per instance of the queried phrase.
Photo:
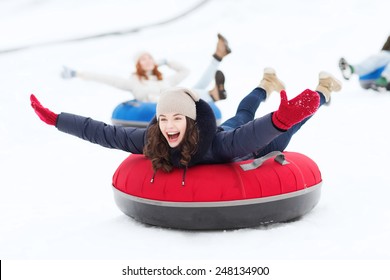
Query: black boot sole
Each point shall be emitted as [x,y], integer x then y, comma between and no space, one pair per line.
[220,83]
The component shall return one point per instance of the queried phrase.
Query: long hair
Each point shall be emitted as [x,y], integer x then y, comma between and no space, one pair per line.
[142,73]
[157,148]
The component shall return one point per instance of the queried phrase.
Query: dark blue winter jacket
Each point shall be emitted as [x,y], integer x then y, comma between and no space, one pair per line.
[215,146]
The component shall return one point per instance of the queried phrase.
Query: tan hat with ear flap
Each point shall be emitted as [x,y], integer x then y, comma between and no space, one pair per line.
[177,100]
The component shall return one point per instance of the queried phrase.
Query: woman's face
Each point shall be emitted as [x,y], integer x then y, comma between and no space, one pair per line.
[147,62]
[173,127]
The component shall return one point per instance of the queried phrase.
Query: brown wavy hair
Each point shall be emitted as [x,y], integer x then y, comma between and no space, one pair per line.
[142,73]
[157,148]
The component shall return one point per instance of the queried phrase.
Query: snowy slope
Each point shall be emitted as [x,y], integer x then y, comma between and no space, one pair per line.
[55,196]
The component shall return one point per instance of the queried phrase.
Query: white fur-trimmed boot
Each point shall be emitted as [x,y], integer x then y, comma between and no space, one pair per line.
[345,68]
[271,82]
[327,84]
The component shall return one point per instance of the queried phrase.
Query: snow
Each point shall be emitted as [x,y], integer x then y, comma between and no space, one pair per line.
[56,200]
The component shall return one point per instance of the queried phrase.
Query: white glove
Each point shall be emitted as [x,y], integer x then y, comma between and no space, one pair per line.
[67,73]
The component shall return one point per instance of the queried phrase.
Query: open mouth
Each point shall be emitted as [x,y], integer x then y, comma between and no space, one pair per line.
[172,136]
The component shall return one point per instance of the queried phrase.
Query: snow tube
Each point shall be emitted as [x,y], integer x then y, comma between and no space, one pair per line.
[276,188]
[139,114]
[372,76]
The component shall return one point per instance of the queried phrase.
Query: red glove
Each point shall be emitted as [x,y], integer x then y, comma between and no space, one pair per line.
[43,113]
[296,110]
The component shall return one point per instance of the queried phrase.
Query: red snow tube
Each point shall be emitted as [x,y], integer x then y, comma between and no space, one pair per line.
[276,188]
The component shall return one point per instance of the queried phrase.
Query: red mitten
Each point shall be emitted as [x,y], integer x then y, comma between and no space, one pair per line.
[297,109]
[43,113]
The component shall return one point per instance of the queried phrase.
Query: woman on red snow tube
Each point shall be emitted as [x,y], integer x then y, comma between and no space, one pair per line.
[184,134]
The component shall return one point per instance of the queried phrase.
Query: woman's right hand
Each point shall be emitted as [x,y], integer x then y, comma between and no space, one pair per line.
[67,73]
[43,113]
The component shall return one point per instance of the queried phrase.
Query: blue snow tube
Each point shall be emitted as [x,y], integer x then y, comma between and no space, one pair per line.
[139,114]
[373,75]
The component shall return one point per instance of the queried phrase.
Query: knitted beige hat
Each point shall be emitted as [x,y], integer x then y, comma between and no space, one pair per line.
[178,100]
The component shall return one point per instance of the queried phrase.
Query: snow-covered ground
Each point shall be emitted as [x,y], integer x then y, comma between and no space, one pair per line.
[56,199]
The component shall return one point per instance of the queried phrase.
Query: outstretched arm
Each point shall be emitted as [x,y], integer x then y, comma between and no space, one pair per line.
[257,134]
[117,82]
[128,139]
